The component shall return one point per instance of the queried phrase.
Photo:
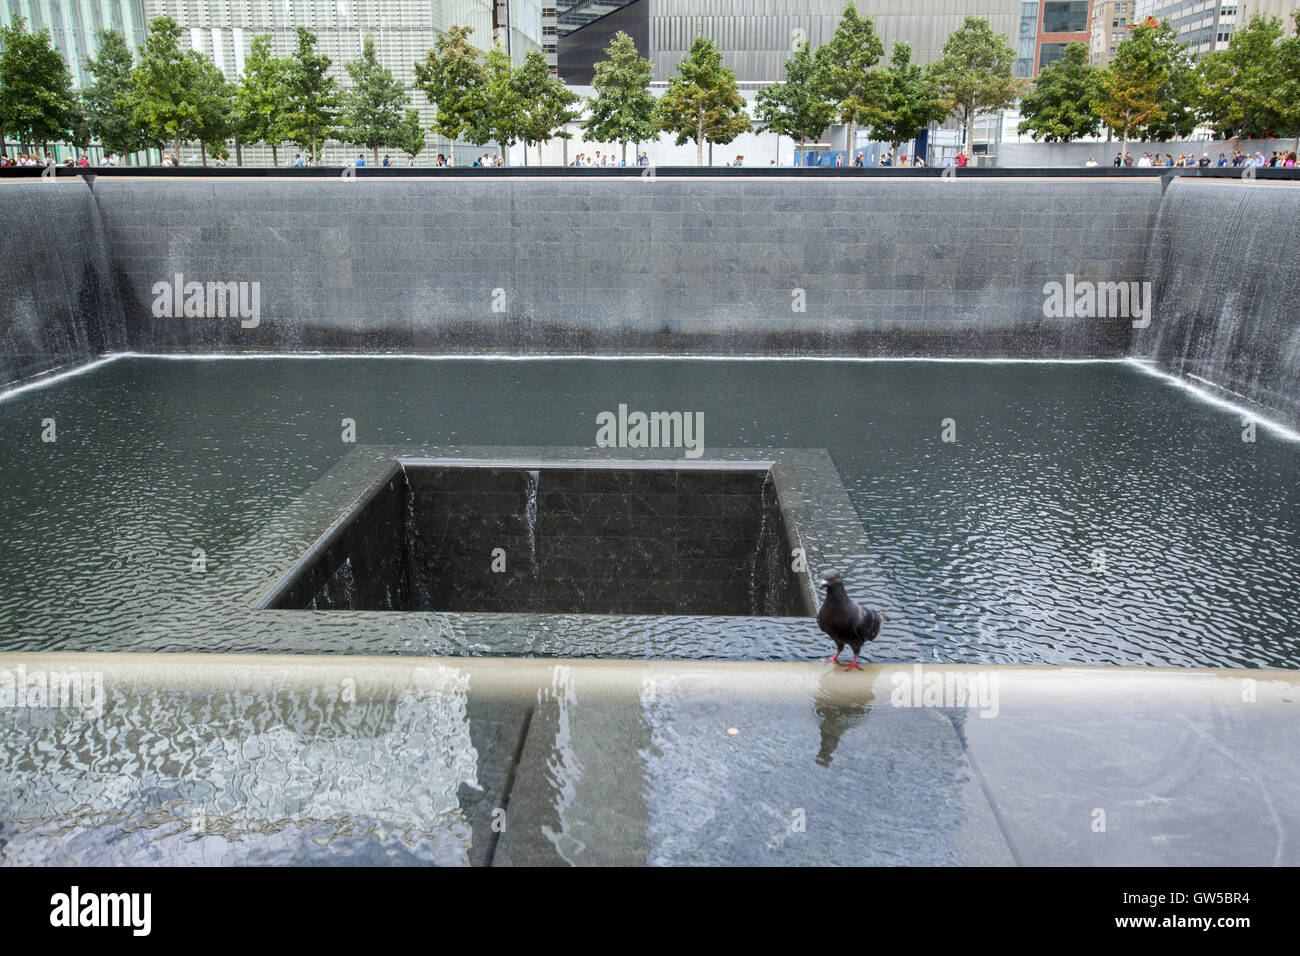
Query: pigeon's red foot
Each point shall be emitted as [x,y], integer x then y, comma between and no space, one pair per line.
[853,665]
[831,660]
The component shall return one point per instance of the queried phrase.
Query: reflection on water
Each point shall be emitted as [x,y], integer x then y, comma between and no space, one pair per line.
[1084,515]
[241,777]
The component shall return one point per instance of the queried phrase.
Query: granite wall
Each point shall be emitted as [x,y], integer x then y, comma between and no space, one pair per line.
[831,267]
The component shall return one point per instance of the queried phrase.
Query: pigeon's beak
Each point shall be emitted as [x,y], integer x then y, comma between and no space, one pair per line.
[823,583]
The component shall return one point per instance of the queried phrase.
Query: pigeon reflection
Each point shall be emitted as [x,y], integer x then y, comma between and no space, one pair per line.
[836,720]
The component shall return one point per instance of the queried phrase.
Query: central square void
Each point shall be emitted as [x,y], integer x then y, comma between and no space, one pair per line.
[706,539]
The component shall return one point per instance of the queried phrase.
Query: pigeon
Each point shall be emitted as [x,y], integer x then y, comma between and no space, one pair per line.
[846,622]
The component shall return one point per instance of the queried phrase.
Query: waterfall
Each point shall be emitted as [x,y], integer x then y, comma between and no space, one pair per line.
[530,513]
[1222,264]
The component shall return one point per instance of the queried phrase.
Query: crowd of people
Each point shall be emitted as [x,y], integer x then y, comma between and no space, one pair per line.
[1238,158]
[607,159]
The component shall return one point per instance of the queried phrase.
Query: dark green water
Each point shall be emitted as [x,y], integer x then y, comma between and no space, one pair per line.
[1086,513]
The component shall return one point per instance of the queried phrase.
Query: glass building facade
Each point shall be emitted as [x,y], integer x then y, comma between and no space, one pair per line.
[757,36]
[403,30]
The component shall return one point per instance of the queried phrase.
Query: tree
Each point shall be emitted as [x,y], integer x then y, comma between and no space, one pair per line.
[1130,95]
[496,105]
[1150,88]
[312,105]
[164,82]
[973,76]
[375,108]
[906,103]
[844,72]
[796,107]
[623,109]
[452,78]
[545,103]
[1239,84]
[1286,96]
[260,99]
[702,101]
[108,98]
[1179,92]
[213,97]
[37,104]
[410,136]
[1059,107]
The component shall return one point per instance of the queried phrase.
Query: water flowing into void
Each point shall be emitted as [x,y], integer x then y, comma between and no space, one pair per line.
[531,481]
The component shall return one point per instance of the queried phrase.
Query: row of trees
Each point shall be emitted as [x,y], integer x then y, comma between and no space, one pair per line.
[843,81]
[170,96]
[1153,90]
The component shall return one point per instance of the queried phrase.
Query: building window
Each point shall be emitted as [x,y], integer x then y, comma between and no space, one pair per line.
[1065,17]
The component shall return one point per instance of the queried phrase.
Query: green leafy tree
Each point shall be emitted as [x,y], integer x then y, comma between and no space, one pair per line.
[907,102]
[164,81]
[452,79]
[260,99]
[37,104]
[1286,95]
[623,109]
[498,108]
[973,74]
[545,103]
[1239,85]
[410,135]
[312,105]
[108,98]
[844,72]
[375,108]
[1180,92]
[1139,85]
[214,98]
[1059,107]
[795,107]
[702,102]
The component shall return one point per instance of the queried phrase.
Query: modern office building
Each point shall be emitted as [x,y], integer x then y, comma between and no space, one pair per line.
[757,36]
[1204,25]
[1284,10]
[1111,20]
[1060,22]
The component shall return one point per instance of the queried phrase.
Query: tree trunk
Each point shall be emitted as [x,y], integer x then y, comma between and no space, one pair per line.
[203,153]
[848,139]
[699,144]
[623,154]
[539,154]
[710,152]
[970,136]
[376,151]
[239,153]
[176,145]
[452,150]
[275,154]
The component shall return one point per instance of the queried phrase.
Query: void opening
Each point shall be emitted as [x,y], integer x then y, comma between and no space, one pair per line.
[708,539]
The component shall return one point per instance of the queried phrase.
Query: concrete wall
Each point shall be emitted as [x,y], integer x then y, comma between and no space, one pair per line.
[678,266]
[57,305]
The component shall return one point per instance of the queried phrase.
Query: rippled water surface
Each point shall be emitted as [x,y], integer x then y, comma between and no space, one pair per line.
[1086,513]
